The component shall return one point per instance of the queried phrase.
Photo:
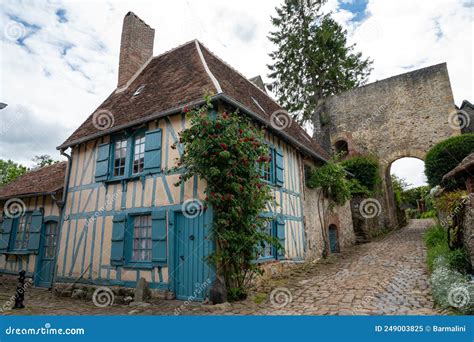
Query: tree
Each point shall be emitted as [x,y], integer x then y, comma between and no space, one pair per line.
[9,171]
[312,60]
[43,160]
[224,151]
[445,156]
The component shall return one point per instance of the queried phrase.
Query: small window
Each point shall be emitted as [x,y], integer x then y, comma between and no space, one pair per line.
[139,90]
[268,250]
[341,147]
[23,232]
[139,154]
[307,172]
[265,169]
[141,249]
[120,156]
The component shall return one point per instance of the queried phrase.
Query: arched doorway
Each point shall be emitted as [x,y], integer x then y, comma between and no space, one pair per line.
[406,171]
[333,239]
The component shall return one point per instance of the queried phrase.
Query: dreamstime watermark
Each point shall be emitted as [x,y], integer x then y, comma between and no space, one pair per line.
[280,297]
[198,289]
[370,208]
[14,208]
[103,119]
[192,208]
[14,30]
[280,120]
[464,202]
[46,330]
[102,297]
[459,119]
[109,200]
[459,296]
[9,303]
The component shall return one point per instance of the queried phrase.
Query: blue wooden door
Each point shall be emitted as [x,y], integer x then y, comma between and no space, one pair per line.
[333,240]
[192,272]
[45,265]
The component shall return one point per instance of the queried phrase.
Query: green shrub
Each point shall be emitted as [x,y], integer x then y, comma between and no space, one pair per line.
[446,155]
[436,240]
[365,170]
[428,214]
[331,178]
[435,235]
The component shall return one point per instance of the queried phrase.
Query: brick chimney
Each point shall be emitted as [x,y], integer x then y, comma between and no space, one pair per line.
[136,47]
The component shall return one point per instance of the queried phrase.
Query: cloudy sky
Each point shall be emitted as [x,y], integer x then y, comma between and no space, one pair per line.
[59,59]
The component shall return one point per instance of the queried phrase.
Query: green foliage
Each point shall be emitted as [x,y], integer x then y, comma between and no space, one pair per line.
[331,177]
[412,195]
[366,171]
[9,171]
[312,60]
[445,156]
[44,160]
[224,150]
[428,214]
[436,240]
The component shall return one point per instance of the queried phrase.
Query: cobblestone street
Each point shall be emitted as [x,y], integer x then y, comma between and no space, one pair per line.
[386,276]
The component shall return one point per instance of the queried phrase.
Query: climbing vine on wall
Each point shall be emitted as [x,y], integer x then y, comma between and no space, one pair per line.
[227,150]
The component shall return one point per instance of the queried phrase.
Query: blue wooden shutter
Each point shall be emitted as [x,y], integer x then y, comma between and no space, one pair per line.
[280,233]
[158,236]
[279,167]
[5,235]
[153,151]
[118,236]
[35,230]
[102,163]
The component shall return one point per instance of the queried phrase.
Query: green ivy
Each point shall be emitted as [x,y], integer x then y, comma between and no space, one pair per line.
[331,177]
[226,150]
[366,171]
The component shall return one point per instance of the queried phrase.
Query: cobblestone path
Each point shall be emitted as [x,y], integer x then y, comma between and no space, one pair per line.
[384,277]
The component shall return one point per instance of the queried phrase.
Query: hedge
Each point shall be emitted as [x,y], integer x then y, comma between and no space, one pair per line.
[365,169]
[445,156]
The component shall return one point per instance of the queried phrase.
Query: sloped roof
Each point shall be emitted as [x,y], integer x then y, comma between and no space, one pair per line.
[183,77]
[48,179]
[465,166]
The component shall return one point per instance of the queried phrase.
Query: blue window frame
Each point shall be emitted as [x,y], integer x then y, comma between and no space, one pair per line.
[266,169]
[22,232]
[267,251]
[127,155]
[138,241]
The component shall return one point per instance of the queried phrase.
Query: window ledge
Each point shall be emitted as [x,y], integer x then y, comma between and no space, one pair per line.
[23,252]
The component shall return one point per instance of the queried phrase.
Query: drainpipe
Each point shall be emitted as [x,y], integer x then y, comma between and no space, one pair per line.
[61,206]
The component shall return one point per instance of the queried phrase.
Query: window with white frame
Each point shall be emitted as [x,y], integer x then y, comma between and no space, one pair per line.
[23,231]
[142,243]
[139,154]
[120,157]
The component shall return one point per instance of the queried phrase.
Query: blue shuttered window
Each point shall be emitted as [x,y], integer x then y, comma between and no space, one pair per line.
[5,234]
[118,236]
[159,237]
[35,230]
[153,151]
[279,167]
[102,163]
[280,233]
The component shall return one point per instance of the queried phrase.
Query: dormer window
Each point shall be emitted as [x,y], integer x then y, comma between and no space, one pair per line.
[139,90]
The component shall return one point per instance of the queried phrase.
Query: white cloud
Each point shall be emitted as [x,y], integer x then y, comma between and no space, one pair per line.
[65,88]
[410,169]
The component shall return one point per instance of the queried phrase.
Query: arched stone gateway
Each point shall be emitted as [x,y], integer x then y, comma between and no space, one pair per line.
[401,116]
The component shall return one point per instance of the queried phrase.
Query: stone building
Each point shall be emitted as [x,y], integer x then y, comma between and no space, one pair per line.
[401,116]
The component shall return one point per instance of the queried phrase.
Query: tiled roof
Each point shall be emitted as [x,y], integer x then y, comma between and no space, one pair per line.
[182,77]
[48,179]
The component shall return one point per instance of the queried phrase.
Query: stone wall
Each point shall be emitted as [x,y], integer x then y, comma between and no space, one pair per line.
[401,116]
[468,234]
[318,216]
